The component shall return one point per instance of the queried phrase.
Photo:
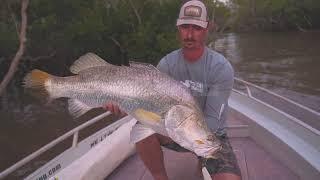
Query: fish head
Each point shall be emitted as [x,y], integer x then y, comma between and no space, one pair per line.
[186,126]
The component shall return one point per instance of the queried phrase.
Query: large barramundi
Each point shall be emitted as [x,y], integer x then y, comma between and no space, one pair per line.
[152,97]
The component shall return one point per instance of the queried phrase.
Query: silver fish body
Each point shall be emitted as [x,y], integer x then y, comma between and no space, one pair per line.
[130,88]
[152,97]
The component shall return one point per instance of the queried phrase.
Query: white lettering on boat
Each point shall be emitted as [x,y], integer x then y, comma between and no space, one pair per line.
[51,172]
[101,138]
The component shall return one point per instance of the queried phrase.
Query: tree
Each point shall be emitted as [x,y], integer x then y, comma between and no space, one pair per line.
[277,14]
[23,40]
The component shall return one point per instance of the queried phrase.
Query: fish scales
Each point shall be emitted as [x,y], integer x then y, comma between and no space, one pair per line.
[153,98]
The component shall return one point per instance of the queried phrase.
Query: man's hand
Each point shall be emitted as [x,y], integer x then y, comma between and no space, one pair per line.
[114,109]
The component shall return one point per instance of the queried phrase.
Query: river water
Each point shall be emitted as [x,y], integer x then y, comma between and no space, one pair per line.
[286,63]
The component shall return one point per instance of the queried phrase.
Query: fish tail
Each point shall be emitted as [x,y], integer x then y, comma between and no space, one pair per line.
[36,80]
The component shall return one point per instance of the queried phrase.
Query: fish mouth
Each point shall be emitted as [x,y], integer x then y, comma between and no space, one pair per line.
[216,148]
[207,151]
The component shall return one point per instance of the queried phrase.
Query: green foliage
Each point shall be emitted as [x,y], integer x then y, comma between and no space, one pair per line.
[277,14]
[8,29]
[144,29]
[74,27]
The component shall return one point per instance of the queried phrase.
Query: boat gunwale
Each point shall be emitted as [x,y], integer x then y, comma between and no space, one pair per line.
[247,84]
[294,119]
[53,143]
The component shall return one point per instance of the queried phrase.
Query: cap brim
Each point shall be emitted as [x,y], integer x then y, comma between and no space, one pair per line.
[203,24]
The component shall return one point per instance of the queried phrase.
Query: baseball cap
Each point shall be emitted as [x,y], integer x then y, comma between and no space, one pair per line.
[193,12]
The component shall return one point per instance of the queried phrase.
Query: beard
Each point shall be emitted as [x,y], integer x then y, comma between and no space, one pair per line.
[190,43]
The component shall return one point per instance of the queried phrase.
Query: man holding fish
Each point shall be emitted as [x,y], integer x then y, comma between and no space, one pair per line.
[209,76]
[181,107]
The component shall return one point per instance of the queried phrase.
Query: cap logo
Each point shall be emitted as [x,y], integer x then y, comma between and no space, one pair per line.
[194,11]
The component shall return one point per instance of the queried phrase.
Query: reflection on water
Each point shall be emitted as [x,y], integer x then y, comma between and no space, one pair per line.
[228,46]
[286,63]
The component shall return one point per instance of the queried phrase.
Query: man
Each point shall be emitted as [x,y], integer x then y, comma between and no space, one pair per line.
[210,78]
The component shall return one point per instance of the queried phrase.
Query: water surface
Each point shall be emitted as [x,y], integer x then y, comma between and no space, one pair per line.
[286,63]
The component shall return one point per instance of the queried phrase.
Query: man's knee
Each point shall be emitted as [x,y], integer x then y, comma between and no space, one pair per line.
[151,140]
[164,139]
[225,176]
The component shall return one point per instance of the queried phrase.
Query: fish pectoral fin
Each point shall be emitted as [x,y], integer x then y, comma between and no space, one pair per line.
[147,115]
[87,61]
[199,142]
[77,108]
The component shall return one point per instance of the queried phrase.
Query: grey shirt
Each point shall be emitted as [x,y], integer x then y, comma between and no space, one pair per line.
[210,80]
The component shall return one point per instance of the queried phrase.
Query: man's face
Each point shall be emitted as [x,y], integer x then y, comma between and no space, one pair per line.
[192,36]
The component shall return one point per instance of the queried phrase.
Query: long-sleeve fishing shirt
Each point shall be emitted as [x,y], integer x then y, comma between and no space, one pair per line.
[210,79]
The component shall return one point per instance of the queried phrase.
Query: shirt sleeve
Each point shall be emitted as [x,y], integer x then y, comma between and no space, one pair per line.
[163,66]
[219,89]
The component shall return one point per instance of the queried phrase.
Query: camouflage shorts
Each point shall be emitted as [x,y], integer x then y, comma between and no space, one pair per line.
[224,162]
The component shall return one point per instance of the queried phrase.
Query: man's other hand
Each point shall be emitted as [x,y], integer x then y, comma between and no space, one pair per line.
[114,109]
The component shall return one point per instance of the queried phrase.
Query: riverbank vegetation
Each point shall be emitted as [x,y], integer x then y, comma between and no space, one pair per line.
[275,15]
[58,32]
[144,30]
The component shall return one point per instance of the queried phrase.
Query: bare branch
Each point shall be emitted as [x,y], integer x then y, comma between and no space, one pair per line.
[307,19]
[33,59]
[13,17]
[135,11]
[115,42]
[22,37]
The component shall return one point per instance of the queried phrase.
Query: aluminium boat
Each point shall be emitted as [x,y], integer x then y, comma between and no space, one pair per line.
[273,138]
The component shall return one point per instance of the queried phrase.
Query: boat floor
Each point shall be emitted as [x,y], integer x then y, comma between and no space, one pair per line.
[255,163]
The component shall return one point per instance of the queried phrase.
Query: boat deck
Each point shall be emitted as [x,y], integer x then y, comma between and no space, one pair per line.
[255,163]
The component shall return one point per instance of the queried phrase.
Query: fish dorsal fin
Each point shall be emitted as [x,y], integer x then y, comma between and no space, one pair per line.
[134,64]
[77,108]
[87,61]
